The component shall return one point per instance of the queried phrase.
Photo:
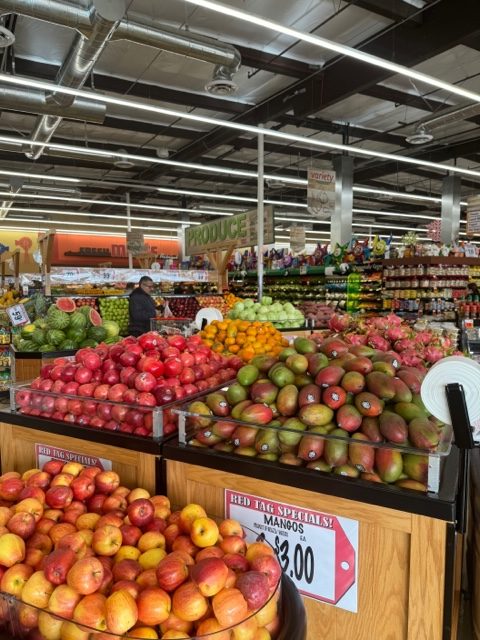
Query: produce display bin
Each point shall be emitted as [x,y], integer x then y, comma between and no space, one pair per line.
[407,552]
[235,437]
[26,365]
[173,326]
[19,620]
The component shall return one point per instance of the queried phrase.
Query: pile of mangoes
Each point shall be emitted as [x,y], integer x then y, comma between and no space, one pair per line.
[328,407]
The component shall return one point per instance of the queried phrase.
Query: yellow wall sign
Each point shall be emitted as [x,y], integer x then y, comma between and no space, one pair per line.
[226,233]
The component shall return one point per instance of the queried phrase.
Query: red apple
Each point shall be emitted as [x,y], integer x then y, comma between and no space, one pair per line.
[229,607]
[95,503]
[10,488]
[91,611]
[40,541]
[255,588]
[204,532]
[268,565]
[107,481]
[53,467]
[57,564]
[82,487]
[190,513]
[122,612]
[22,524]
[59,497]
[233,544]
[126,570]
[141,512]
[62,480]
[171,573]
[132,587]
[236,561]
[86,575]
[130,534]
[210,575]
[63,601]
[153,606]
[107,540]
[188,603]
[15,578]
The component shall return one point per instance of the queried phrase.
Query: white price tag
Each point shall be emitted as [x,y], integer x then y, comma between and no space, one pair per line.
[18,315]
[317,550]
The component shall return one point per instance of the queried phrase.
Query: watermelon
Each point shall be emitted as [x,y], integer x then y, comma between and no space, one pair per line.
[38,337]
[77,321]
[68,345]
[85,311]
[40,323]
[97,333]
[27,345]
[112,328]
[89,342]
[57,319]
[76,335]
[95,318]
[66,304]
[27,331]
[113,340]
[47,347]
[55,336]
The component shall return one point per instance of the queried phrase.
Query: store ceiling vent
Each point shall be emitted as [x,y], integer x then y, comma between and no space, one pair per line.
[221,87]
[273,183]
[6,38]
[123,163]
[420,136]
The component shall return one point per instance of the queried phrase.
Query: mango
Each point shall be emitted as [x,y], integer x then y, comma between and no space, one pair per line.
[270,457]
[381,385]
[384,367]
[263,391]
[341,360]
[287,400]
[195,443]
[334,397]
[362,350]
[412,380]
[291,432]
[409,411]
[371,477]
[361,364]
[244,436]
[285,353]
[201,409]
[316,362]
[311,447]
[315,415]
[336,451]
[329,376]
[402,392]
[263,363]
[290,459]
[223,428]
[370,428]
[302,380]
[297,363]
[423,433]
[389,464]
[387,356]
[411,484]
[257,414]
[226,447]
[416,467]
[275,411]
[333,347]
[417,399]
[267,441]
[247,375]
[348,418]
[304,345]
[353,382]
[288,448]
[310,394]
[239,408]
[368,404]
[249,452]
[217,403]
[236,393]
[207,437]
[319,465]
[361,456]
[347,470]
[281,376]
[393,427]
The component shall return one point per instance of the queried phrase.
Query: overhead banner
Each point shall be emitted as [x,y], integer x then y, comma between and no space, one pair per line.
[233,232]
[473,216]
[135,242]
[297,238]
[321,193]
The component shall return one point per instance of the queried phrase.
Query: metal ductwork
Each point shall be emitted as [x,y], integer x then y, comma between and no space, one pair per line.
[32,101]
[443,118]
[135,29]
[78,64]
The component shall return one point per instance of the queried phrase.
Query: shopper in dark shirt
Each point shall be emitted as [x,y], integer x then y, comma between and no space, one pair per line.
[141,307]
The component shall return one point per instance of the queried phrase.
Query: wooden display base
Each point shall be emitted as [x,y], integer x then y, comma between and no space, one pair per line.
[402,568]
[17,447]
[26,365]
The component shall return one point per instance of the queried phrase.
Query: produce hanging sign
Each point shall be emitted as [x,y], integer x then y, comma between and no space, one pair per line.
[321,193]
[473,216]
[317,550]
[227,233]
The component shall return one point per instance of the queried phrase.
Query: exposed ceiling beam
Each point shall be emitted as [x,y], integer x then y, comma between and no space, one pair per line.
[395,10]
[274,63]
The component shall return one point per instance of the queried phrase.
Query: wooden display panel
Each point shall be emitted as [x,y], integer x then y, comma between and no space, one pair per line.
[401,557]
[17,446]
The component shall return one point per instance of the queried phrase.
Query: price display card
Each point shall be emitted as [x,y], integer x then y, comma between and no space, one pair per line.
[317,550]
[18,315]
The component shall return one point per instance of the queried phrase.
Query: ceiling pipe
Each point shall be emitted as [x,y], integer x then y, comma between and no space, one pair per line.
[134,29]
[32,101]
[81,59]
[423,128]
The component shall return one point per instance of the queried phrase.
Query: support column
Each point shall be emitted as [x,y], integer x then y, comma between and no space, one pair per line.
[450,220]
[129,228]
[341,222]
[260,214]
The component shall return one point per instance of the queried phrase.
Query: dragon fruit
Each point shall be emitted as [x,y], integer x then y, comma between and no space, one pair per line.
[411,358]
[397,333]
[433,354]
[404,345]
[339,322]
[376,341]
[355,338]
[393,319]
[423,337]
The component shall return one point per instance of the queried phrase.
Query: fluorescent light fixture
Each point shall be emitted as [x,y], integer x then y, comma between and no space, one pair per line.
[418,4]
[272,133]
[341,49]
[90,224]
[39,176]
[83,214]
[71,232]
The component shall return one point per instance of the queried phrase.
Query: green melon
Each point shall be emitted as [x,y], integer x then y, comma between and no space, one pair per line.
[89,342]
[111,327]
[68,345]
[55,336]
[78,321]
[47,347]
[112,340]
[76,335]
[95,318]
[27,331]
[85,311]
[97,333]
[57,319]
[66,304]
[28,345]
[40,323]
[38,337]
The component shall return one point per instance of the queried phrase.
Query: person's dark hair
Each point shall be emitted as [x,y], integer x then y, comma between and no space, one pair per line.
[145,280]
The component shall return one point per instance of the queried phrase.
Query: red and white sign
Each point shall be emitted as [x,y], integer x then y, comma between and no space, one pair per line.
[317,550]
[45,452]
